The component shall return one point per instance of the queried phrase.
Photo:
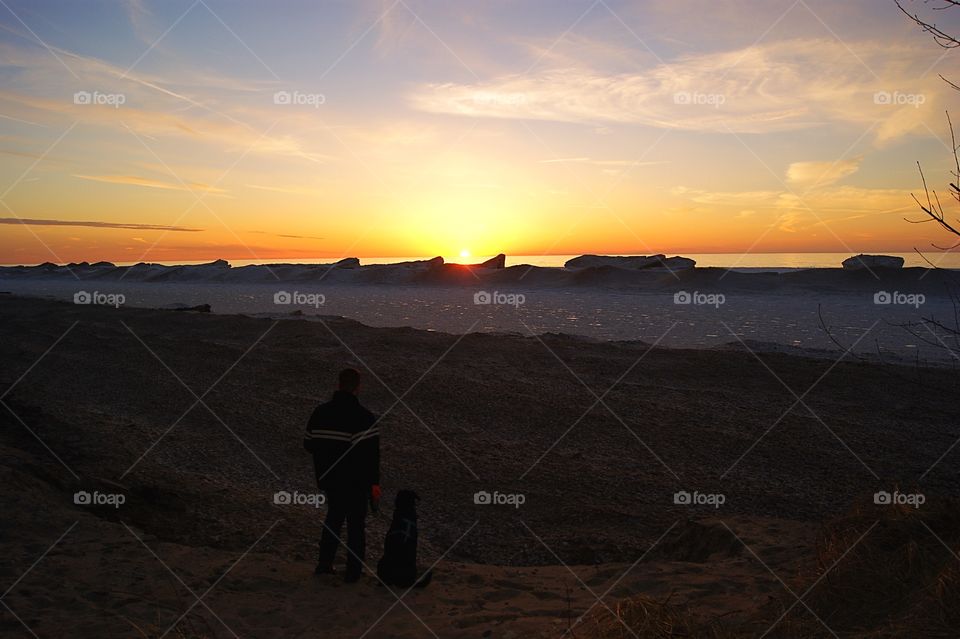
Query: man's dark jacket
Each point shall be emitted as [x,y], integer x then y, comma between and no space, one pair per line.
[345,442]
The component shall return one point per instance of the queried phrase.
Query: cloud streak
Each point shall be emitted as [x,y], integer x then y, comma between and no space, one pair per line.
[154,105]
[97,225]
[770,87]
[790,213]
[817,174]
[607,163]
[284,235]
[136,180]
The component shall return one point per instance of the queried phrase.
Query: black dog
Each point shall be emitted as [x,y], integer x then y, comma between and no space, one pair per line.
[399,564]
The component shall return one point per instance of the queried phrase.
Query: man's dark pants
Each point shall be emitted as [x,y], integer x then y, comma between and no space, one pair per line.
[348,505]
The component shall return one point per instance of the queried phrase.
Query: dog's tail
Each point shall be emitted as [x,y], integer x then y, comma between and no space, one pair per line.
[424,580]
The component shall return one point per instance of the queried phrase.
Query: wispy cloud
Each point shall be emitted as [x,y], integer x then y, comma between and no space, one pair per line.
[136,180]
[295,190]
[295,237]
[191,103]
[606,163]
[791,213]
[817,174]
[768,87]
[98,225]
[22,121]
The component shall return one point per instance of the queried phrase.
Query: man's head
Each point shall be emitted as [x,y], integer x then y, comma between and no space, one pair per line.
[349,380]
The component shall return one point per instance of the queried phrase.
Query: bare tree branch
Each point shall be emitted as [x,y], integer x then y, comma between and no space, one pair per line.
[942,38]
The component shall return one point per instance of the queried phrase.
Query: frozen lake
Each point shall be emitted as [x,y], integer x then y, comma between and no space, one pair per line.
[787,319]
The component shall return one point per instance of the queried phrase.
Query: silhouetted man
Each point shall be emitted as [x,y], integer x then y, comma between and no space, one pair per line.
[345,442]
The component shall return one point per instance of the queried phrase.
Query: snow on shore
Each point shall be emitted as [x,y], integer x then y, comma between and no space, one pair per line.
[607,298]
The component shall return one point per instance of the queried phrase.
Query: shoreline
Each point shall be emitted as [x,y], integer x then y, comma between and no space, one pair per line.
[732,345]
[765,318]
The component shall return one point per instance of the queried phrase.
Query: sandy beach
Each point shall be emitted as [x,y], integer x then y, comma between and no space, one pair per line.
[197,420]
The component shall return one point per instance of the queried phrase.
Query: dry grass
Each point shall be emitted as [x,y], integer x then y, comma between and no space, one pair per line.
[881,571]
[902,576]
[646,618]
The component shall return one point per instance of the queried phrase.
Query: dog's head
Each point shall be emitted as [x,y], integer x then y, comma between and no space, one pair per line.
[406,501]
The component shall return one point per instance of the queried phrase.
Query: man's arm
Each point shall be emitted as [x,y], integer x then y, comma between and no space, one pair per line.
[310,442]
[369,445]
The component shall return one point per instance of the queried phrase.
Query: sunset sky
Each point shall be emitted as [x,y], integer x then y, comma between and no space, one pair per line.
[201,129]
